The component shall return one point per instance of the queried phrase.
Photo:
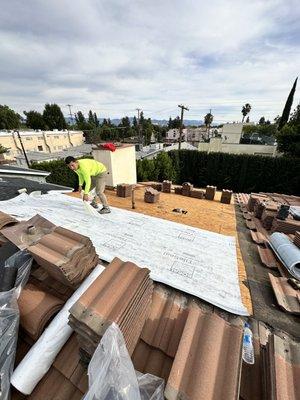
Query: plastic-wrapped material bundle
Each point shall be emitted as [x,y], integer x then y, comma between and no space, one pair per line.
[287,252]
[9,318]
[112,375]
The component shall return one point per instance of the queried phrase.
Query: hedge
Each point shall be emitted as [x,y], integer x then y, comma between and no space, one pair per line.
[239,172]
[60,173]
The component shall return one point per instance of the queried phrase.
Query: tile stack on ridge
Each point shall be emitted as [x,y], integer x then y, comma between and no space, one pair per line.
[6,220]
[124,190]
[151,195]
[186,189]
[226,196]
[67,256]
[210,192]
[197,194]
[287,226]
[166,186]
[121,294]
[297,239]
[254,199]
[267,218]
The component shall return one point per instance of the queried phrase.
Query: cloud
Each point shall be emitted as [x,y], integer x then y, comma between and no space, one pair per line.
[118,55]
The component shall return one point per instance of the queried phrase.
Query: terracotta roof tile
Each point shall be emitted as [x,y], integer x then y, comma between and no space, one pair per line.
[36,308]
[285,295]
[247,215]
[6,220]
[267,257]
[251,225]
[147,359]
[258,238]
[122,293]
[208,360]
[284,361]
[19,234]
[166,321]
[288,226]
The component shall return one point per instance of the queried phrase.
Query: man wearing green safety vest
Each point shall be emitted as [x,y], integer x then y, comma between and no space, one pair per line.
[93,174]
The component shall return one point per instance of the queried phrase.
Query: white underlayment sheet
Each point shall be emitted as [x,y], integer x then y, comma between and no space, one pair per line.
[193,260]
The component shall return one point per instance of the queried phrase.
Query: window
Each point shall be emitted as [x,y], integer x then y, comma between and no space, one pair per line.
[28,138]
[56,137]
[40,148]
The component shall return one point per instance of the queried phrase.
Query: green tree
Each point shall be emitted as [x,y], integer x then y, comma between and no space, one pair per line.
[9,119]
[91,119]
[208,119]
[262,121]
[53,117]
[245,110]
[34,120]
[164,167]
[96,120]
[288,137]
[287,108]
[174,123]
[80,121]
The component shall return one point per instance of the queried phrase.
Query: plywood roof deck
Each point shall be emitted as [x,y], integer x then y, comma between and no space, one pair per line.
[204,214]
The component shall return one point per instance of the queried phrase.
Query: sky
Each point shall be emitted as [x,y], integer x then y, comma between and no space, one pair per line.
[115,56]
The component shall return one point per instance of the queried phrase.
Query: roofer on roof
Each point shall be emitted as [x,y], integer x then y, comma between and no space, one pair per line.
[93,174]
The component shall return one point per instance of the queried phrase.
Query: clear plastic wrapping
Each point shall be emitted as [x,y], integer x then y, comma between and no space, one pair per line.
[112,375]
[9,319]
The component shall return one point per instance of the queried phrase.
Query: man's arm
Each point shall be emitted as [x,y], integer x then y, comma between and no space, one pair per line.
[87,179]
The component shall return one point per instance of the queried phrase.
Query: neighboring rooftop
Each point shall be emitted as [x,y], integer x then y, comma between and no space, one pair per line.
[17,171]
[38,156]
[9,187]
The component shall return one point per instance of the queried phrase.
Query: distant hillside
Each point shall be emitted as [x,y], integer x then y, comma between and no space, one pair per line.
[161,122]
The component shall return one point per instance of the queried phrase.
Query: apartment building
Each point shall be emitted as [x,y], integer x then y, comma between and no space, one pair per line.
[42,141]
[190,134]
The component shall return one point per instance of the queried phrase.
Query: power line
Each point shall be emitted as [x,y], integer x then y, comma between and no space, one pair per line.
[181,122]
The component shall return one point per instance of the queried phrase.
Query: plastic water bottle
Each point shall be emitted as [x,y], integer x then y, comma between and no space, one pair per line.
[248,351]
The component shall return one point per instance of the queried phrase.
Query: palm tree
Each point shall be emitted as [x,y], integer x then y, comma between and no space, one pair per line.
[245,110]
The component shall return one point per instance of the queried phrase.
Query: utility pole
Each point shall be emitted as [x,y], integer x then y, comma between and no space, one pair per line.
[181,123]
[139,128]
[24,152]
[70,112]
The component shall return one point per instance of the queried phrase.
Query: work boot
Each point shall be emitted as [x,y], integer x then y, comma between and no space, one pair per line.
[94,204]
[104,210]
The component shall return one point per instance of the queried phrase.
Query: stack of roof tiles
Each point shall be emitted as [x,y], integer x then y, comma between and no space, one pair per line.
[167,186]
[6,220]
[151,195]
[121,294]
[186,189]
[267,218]
[67,256]
[157,186]
[226,196]
[255,199]
[297,239]
[124,190]
[210,192]
[197,194]
[287,226]
[259,209]
[178,190]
